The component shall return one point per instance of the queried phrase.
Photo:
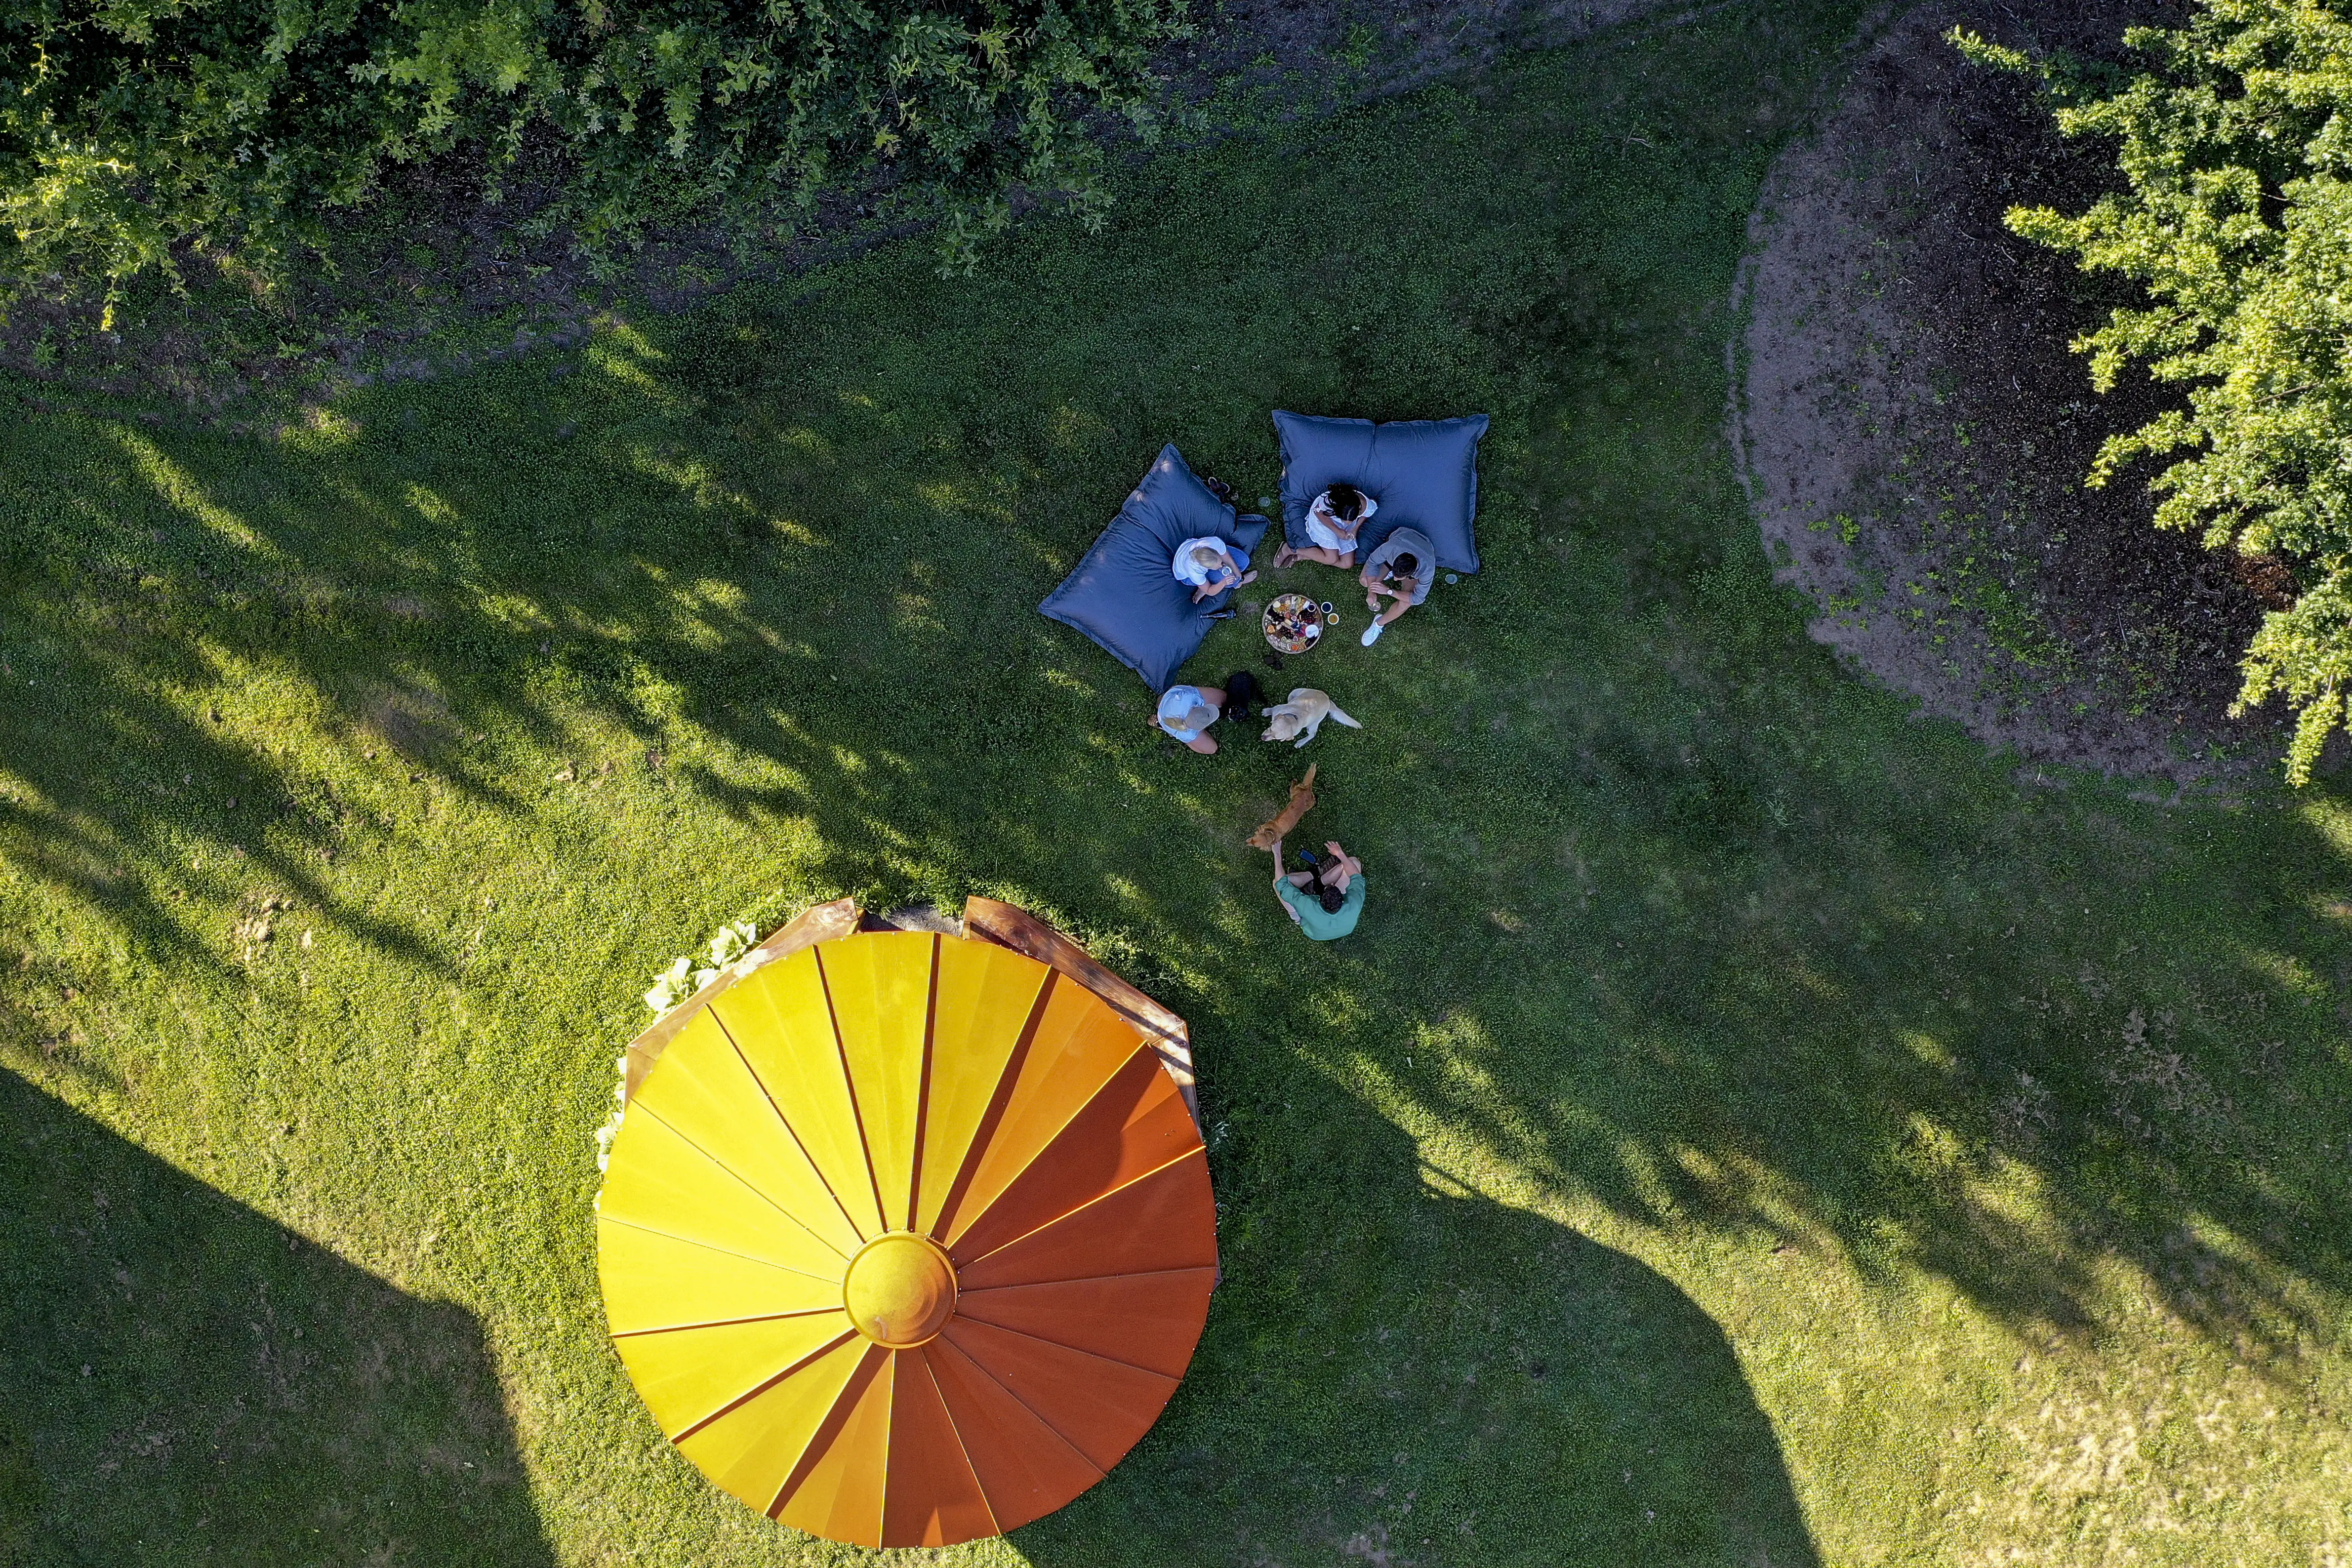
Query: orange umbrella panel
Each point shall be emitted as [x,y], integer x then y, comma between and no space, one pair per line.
[905,1240]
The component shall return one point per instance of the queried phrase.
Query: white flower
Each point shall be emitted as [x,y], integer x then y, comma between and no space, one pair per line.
[670,986]
[731,942]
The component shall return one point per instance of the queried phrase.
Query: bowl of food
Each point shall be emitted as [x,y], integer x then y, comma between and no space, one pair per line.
[1293,623]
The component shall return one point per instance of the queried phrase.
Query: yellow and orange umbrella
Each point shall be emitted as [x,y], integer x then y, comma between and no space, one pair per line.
[906,1238]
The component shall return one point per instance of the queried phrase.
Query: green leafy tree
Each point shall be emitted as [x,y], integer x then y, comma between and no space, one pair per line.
[2235,145]
[133,131]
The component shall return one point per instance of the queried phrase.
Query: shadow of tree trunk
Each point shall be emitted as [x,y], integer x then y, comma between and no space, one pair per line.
[187,1381]
[1395,1373]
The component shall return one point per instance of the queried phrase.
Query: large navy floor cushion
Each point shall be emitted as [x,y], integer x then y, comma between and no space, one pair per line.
[1423,472]
[1126,596]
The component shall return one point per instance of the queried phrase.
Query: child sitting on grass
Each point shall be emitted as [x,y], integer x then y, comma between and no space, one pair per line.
[1332,522]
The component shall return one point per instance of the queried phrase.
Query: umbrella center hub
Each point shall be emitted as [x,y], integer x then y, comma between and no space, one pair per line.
[900,1290]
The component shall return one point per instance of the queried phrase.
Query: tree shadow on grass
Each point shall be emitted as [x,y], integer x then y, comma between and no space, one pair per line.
[1774,969]
[1399,1371]
[187,1382]
[1675,920]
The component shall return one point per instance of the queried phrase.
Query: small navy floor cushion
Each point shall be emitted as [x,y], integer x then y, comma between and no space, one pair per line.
[1125,594]
[1422,472]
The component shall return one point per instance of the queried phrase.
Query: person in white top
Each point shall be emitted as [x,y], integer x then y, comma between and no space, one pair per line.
[1332,522]
[1207,563]
[1187,712]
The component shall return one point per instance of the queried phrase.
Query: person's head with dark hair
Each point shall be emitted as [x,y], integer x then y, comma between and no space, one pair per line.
[1346,502]
[1331,880]
[1406,566]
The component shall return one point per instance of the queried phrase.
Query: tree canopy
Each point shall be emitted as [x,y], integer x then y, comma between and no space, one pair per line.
[2235,216]
[131,131]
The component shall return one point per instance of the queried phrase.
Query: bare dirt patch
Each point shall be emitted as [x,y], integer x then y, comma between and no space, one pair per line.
[1913,431]
[411,718]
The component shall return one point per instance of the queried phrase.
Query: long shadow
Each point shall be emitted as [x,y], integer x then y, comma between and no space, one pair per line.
[1396,1371]
[188,1382]
[794,566]
[1669,917]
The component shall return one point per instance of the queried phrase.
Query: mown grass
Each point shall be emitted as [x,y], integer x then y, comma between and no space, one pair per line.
[1748,1127]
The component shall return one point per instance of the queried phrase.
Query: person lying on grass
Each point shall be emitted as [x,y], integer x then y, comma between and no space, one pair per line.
[1399,571]
[1325,900]
[1207,563]
[1333,519]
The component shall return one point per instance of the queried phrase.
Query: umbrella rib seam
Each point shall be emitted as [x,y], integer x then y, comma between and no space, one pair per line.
[786,1122]
[1066,1123]
[1035,1415]
[722,1252]
[849,1083]
[745,1182]
[797,1476]
[1087,1278]
[764,1385]
[724,1322]
[923,1089]
[1073,1349]
[963,1447]
[1081,1209]
[1000,1099]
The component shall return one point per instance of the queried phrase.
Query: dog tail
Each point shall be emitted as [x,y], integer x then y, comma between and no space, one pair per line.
[1343,718]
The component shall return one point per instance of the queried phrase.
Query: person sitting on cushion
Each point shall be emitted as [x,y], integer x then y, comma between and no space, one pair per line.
[1207,563]
[1187,712]
[1409,558]
[1332,522]
[1325,900]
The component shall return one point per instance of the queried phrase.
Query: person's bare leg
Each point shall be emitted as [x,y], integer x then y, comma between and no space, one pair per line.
[1388,616]
[1203,745]
[1215,697]
[1287,556]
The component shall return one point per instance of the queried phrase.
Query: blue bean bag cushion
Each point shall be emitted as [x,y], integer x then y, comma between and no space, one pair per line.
[1423,472]
[1124,595]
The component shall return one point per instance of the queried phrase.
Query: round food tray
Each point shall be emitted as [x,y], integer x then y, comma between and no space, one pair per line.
[1293,623]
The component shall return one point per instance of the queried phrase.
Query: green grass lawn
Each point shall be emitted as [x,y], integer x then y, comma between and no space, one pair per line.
[1748,1127]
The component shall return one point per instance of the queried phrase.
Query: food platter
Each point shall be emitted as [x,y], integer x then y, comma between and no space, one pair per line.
[1293,623]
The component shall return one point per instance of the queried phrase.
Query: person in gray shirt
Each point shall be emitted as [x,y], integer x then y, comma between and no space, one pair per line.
[1400,570]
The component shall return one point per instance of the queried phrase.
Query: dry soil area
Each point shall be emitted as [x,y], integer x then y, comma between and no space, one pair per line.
[1914,430]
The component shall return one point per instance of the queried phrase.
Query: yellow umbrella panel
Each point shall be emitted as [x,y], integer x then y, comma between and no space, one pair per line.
[906,1238]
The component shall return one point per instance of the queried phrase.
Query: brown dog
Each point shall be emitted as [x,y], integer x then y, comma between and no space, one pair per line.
[1302,799]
